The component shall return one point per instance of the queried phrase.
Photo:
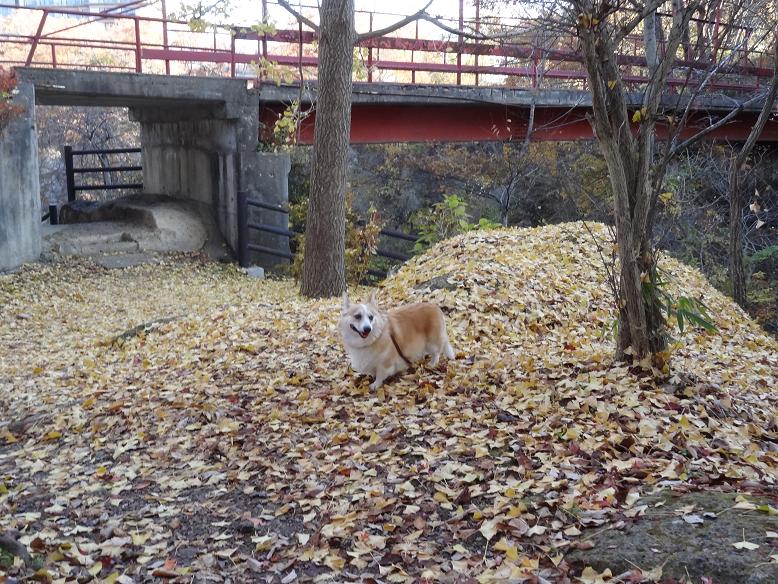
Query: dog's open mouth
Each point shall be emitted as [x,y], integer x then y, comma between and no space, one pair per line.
[364,335]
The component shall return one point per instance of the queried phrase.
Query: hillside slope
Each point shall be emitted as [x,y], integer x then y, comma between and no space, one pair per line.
[233,440]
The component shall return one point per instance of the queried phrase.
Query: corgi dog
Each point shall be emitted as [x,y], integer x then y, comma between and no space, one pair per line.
[381,343]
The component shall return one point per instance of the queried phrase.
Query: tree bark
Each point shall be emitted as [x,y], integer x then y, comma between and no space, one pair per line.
[737,273]
[629,157]
[324,269]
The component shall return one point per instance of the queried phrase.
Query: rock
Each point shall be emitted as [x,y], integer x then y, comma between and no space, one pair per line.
[256,272]
[245,526]
[126,260]
[22,425]
[437,283]
[688,550]
[136,223]
[144,328]
[9,544]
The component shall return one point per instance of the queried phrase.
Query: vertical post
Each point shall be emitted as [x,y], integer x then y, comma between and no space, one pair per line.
[232,52]
[138,65]
[53,56]
[264,21]
[300,56]
[164,36]
[413,71]
[53,218]
[716,41]
[459,49]
[243,229]
[37,37]
[370,55]
[70,179]
[477,29]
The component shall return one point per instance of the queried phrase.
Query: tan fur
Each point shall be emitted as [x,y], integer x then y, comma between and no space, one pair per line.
[419,329]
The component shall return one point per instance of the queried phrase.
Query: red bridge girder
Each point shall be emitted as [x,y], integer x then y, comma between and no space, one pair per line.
[375,123]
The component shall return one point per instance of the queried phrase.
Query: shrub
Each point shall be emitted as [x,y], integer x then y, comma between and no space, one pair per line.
[8,111]
[445,219]
[361,241]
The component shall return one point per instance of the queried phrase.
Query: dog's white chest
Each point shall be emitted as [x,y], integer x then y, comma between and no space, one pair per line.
[363,360]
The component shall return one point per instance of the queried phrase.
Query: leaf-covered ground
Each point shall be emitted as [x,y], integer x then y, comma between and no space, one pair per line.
[230,441]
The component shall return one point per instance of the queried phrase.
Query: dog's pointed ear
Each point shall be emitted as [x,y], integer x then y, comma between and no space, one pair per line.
[373,299]
[346,302]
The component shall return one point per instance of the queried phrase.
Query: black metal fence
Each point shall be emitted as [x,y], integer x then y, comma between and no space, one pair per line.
[245,226]
[71,170]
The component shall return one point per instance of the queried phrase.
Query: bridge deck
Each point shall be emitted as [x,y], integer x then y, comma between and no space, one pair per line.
[523,73]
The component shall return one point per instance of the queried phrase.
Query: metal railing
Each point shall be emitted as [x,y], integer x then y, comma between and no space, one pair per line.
[531,56]
[71,171]
[245,226]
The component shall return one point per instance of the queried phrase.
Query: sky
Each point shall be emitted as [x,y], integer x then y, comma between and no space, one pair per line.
[246,12]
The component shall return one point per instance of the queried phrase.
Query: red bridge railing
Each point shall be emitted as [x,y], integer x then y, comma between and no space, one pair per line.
[157,44]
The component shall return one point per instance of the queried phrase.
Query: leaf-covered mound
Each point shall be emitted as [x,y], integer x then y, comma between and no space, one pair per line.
[229,437]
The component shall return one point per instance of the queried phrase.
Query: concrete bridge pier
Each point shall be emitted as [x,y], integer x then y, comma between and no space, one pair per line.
[20,205]
[198,139]
[204,158]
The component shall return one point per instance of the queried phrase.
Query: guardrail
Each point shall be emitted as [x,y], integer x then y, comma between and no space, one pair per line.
[71,171]
[245,226]
[535,56]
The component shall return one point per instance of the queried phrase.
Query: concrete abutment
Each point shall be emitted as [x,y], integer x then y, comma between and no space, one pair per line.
[20,207]
[198,139]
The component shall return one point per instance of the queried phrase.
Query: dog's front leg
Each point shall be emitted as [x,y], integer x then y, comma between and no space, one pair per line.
[381,374]
[380,377]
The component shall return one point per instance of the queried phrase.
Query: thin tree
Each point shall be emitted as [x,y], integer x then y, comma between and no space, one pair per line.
[736,271]
[324,272]
[636,166]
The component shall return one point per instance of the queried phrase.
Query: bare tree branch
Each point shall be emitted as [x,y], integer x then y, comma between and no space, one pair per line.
[631,25]
[306,21]
[764,115]
[474,35]
[713,127]
[397,25]
[681,123]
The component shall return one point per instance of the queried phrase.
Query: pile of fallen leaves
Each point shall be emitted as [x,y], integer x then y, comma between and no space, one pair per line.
[227,439]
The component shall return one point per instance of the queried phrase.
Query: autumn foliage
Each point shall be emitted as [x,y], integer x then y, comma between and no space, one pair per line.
[8,110]
[230,441]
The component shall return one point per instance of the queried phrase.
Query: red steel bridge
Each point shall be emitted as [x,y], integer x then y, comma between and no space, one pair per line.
[418,84]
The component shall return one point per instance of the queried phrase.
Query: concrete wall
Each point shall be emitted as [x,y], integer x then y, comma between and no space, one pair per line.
[205,154]
[20,206]
[194,160]
[198,139]
[270,174]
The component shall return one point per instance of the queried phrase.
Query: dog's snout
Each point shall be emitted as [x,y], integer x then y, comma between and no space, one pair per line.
[367,328]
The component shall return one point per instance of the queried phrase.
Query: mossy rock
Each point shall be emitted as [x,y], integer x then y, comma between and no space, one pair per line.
[687,551]
[437,283]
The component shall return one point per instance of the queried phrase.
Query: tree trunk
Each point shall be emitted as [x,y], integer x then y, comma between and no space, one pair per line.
[505,204]
[324,267]
[641,324]
[736,272]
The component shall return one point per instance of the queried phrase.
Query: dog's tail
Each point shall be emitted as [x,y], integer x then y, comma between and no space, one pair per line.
[449,352]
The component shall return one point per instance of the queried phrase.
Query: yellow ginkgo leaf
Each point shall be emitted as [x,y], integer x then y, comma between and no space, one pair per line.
[591,576]
[488,529]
